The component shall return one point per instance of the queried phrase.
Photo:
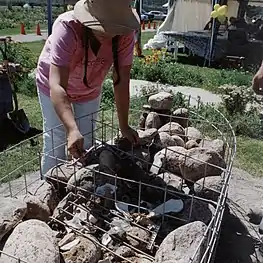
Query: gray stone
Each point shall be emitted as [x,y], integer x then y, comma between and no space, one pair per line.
[140,234]
[147,136]
[36,209]
[181,116]
[180,245]
[142,156]
[45,192]
[61,172]
[171,179]
[165,140]
[179,140]
[193,134]
[161,101]
[125,252]
[85,173]
[152,121]
[200,163]
[172,128]
[168,159]
[142,120]
[191,144]
[12,211]
[209,187]
[197,210]
[217,145]
[31,241]
[85,251]
[64,204]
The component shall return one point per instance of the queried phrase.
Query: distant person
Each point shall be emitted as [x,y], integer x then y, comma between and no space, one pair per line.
[72,66]
[138,34]
[232,23]
[257,83]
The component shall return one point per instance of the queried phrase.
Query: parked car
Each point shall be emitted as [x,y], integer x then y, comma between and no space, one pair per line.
[149,17]
[158,15]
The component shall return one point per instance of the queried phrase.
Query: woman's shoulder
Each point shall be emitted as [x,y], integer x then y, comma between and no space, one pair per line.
[67,19]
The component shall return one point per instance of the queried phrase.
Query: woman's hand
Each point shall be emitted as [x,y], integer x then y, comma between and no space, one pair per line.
[75,143]
[130,134]
[257,83]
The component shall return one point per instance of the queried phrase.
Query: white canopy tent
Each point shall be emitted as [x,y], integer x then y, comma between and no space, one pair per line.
[187,15]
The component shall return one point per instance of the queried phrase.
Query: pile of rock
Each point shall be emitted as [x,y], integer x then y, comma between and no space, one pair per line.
[77,214]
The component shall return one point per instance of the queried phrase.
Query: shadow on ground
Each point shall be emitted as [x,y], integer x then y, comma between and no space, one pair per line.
[235,244]
[9,135]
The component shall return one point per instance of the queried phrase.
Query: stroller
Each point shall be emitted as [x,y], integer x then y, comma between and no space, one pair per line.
[14,124]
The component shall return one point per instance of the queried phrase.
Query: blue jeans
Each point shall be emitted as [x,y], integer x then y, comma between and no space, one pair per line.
[54,135]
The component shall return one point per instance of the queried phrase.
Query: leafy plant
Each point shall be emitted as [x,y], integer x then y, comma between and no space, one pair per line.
[235,98]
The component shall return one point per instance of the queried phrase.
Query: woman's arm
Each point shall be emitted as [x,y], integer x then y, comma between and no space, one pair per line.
[122,95]
[58,81]
[122,99]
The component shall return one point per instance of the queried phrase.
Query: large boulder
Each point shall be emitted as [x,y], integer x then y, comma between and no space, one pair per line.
[172,128]
[168,159]
[31,241]
[12,211]
[200,163]
[161,101]
[180,245]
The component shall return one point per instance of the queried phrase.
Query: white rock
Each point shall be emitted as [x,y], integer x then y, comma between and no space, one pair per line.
[12,211]
[70,245]
[32,241]
[66,239]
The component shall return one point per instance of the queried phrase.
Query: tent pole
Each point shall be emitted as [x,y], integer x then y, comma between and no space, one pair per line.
[49,16]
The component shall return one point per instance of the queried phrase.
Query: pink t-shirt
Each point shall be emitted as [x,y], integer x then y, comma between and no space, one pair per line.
[64,47]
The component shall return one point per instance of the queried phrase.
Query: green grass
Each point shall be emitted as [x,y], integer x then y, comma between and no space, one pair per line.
[250,155]
[16,31]
[36,47]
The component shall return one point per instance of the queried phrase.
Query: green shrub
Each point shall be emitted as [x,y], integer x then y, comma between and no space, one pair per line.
[235,98]
[167,72]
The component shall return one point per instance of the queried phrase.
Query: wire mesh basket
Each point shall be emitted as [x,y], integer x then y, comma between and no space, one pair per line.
[132,185]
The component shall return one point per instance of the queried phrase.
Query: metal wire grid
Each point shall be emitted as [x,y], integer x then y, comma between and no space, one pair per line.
[105,129]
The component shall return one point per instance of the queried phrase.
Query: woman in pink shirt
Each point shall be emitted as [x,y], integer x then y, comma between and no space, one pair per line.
[77,56]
